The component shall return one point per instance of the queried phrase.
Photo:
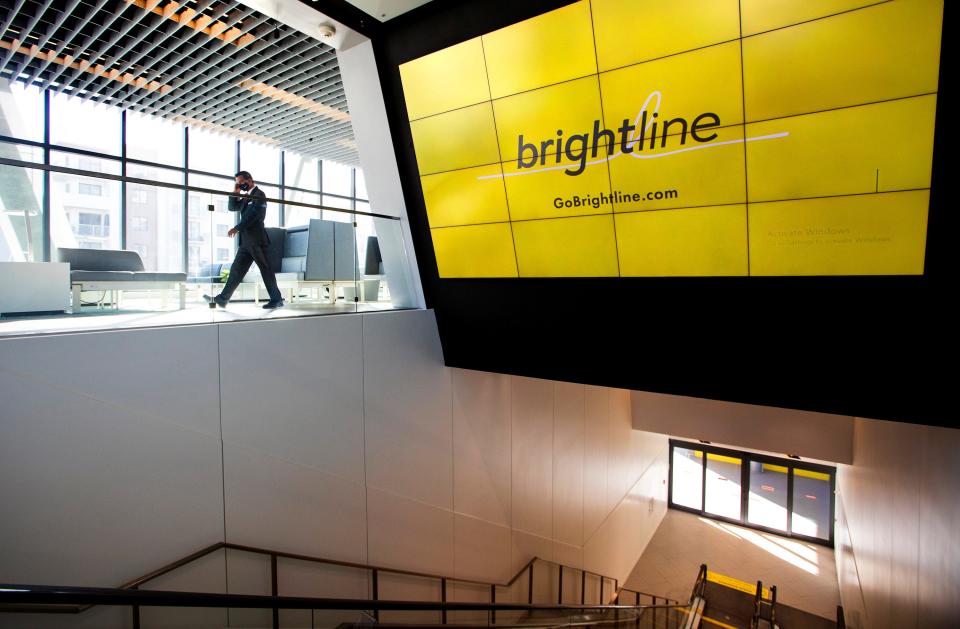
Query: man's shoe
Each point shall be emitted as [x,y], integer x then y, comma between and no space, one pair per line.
[270,305]
[215,301]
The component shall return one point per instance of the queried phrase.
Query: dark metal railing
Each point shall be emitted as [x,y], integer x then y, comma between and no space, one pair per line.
[63,599]
[841,621]
[773,606]
[700,584]
[757,606]
[37,595]
[4,161]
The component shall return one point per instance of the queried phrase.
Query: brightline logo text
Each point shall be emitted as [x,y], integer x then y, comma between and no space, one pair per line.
[634,138]
[575,146]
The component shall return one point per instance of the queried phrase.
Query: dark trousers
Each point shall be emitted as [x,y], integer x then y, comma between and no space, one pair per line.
[247,255]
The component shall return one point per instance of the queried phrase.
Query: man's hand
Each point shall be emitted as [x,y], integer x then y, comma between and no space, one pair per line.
[232,232]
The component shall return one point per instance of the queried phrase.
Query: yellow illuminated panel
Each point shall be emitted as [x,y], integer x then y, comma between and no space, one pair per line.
[631,31]
[764,15]
[465,197]
[638,138]
[871,148]
[554,47]
[533,118]
[684,86]
[684,175]
[457,139]
[885,51]
[566,247]
[870,234]
[475,251]
[696,241]
[449,79]
[554,194]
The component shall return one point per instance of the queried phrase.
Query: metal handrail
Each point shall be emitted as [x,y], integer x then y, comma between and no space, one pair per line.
[700,584]
[4,161]
[841,621]
[773,606]
[17,597]
[18,594]
[638,594]
[67,605]
[757,598]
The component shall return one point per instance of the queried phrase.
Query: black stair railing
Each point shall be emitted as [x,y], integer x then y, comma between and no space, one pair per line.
[63,599]
[23,597]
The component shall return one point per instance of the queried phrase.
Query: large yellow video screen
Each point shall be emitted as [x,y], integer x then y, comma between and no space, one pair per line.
[643,138]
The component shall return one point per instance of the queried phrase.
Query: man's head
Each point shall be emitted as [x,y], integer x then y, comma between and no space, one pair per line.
[244,180]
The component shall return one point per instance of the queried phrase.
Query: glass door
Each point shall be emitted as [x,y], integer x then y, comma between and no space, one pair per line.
[781,496]
[722,495]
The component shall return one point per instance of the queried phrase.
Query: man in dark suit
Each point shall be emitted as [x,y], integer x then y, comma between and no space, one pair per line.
[251,202]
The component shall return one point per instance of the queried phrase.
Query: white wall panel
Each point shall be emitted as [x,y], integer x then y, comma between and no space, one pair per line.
[898,560]
[83,480]
[281,505]
[805,433]
[939,553]
[481,445]
[294,388]
[615,547]
[206,574]
[532,455]
[481,550]
[169,374]
[619,465]
[525,547]
[568,440]
[568,555]
[407,534]
[407,408]
[595,457]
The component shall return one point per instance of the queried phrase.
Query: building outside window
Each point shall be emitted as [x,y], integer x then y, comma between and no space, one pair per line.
[93,224]
[156,225]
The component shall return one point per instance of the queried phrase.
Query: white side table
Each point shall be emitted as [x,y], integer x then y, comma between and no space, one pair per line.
[34,287]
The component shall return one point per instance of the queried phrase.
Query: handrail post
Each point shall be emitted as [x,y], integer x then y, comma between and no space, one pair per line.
[600,602]
[773,605]
[560,587]
[493,601]
[583,586]
[135,609]
[443,599]
[274,590]
[530,586]
[376,593]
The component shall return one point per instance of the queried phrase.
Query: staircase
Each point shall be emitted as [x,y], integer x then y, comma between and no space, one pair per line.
[542,594]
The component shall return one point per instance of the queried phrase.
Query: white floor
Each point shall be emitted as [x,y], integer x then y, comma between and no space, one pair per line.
[145,314]
[804,573]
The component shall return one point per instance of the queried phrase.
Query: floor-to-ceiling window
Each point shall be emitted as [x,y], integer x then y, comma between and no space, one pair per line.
[172,229]
[785,496]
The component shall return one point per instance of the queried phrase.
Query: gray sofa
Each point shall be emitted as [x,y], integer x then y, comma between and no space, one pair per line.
[115,270]
[321,253]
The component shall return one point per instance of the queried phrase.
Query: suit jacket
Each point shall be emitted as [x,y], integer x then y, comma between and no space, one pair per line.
[253,211]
